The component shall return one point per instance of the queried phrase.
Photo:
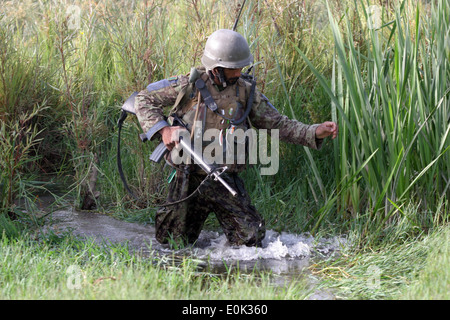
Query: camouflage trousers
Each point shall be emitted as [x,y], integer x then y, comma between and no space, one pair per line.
[239,220]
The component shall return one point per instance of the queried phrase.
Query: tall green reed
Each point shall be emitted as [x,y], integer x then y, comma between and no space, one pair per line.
[390,97]
[383,147]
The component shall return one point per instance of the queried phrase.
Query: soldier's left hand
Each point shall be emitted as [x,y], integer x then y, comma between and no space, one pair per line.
[328,128]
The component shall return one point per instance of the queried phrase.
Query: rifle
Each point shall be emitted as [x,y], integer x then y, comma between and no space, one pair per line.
[210,171]
[161,150]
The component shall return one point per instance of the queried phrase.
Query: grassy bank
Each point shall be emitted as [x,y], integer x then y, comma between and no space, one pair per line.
[62,267]
[408,268]
[66,268]
[433,282]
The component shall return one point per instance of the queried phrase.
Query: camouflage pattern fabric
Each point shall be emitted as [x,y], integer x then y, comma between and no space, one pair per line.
[152,105]
[152,102]
[183,222]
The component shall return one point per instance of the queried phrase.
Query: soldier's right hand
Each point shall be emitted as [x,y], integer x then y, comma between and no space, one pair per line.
[171,136]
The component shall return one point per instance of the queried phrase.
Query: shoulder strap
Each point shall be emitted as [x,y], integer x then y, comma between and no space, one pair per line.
[180,97]
[206,95]
[187,87]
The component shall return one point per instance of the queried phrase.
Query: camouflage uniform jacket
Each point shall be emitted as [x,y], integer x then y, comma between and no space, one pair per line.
[154,102]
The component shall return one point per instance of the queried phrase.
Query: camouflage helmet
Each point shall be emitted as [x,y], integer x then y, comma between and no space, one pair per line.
[227,49]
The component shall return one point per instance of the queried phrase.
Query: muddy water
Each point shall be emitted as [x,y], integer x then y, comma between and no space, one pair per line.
[286,255]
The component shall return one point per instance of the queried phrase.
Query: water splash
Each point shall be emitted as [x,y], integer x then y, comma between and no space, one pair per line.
[282,253]
[285,255]
[275,246]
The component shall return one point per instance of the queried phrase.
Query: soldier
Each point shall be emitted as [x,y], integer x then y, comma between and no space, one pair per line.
[215,96]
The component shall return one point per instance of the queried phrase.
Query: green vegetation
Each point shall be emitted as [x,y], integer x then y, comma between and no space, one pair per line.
[403,267]
[434,280]
[378,68]
[391,97]
[66,268]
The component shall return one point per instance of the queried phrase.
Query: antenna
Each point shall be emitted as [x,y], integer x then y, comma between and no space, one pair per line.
[239,15]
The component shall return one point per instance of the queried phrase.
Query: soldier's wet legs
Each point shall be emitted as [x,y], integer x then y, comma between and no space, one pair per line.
[239,219]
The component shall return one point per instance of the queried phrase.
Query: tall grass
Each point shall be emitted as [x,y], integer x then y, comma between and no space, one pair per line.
[22,100]
[390,95]
[385,85]
[87,61]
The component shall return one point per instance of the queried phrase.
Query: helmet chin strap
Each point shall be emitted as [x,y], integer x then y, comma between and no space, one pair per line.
[219,74]
[222,77]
